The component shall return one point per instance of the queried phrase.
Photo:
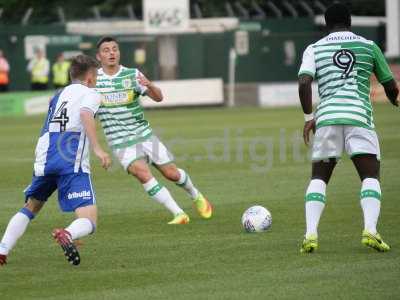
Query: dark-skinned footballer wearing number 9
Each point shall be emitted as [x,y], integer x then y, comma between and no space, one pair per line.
[342,63]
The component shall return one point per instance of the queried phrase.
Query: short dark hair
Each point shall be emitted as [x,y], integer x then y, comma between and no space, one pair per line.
[337,15]
[104,39]
[80,65]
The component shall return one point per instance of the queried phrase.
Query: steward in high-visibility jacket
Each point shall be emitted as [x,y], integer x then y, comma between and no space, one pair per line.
[61,72]
[39,68]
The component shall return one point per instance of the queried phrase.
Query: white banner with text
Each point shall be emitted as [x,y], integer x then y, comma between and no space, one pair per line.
[166,17]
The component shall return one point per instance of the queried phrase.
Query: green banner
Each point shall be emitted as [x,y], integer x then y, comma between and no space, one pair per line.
[24,103]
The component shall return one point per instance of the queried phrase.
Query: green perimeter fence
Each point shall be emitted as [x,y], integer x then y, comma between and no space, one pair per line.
[275,50]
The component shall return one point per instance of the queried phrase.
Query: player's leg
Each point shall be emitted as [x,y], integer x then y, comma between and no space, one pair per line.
[76,194]
[368,167]
[140,169]
[83,225]
[133,160]
[316,193]
[182,179]
[178,176]
[163,160]
[85,222]
[327,148]
[363,146]
[17,227]
[315,201]
[35,196]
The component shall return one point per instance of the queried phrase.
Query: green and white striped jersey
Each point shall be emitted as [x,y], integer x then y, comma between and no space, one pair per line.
[121,114]
[342,64]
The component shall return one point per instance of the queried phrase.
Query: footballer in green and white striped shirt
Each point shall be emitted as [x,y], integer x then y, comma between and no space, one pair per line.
[130,136]
[342,63]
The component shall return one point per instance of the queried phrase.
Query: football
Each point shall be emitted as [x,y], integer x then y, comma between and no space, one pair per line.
[256,219]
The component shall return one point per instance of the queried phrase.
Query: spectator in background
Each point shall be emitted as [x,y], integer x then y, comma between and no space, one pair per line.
[60,72]
[39,68]
[4,70]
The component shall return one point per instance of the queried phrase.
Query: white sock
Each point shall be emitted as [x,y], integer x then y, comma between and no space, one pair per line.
[15,229]
[185,183]
[159,193]
[315,204]
[370,203]
[80,227]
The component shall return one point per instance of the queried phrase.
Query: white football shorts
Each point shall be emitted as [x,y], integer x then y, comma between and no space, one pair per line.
[331,141]
[152,150]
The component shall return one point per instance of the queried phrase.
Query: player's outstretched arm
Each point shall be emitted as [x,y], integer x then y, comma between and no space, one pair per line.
[391,91]
[153,91]
[305,95]
[89,124]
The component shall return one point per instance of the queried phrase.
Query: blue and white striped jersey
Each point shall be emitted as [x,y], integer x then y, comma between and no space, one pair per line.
[63,147]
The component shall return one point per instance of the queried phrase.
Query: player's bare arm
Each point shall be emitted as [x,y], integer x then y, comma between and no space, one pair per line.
[305,95]
[88,122]
[392,91]
[153,91]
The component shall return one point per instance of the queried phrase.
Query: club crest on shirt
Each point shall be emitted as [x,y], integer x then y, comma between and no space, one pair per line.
[127,83]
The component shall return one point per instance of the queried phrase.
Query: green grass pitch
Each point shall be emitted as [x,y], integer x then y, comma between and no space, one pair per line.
[238,158]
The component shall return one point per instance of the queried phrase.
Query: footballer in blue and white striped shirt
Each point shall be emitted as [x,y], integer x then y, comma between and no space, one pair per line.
[62,162]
